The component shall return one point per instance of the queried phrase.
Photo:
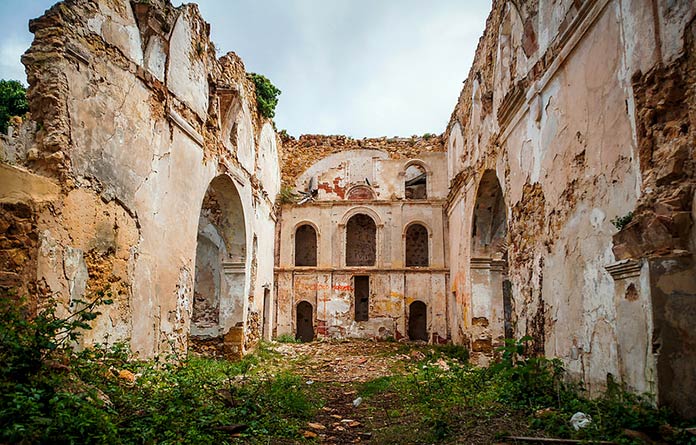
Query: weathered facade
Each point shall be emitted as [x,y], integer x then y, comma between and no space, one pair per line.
[149,174]
[574,115]
[363,253]
[566,214]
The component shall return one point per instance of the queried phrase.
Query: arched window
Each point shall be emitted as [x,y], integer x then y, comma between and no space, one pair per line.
[305,246]
[361,241]
[416,182]
[417,246]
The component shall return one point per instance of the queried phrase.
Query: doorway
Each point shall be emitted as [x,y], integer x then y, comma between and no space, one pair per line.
[362,297]
[418,321]
[305,325]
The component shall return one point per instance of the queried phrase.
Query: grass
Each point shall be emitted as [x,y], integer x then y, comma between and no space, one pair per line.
[447,400]
[51,394]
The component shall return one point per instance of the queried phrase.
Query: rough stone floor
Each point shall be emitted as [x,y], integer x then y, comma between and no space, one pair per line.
[338,370]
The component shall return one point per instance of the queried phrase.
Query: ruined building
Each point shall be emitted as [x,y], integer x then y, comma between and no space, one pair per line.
[148,172]
[566,214]
[365,255]
[572,166]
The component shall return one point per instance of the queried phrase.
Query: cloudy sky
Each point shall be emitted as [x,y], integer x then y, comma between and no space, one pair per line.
[355,67]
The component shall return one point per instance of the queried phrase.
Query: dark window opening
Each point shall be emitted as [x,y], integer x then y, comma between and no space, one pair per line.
[361,241]
[362,297]
[305,246]
[417,246]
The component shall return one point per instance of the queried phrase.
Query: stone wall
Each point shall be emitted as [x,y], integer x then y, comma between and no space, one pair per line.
[358,208]
[135,116]
[301,153]
[579,111]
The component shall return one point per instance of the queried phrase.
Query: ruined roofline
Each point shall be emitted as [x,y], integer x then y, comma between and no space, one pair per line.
[298,155]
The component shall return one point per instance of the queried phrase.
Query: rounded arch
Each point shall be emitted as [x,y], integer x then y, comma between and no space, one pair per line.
[305,245]
[360,209]
[489,220]
[221,255]
[419,222]
[361,240]
[360,192]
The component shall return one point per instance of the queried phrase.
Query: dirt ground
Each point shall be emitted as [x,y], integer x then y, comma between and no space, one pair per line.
[337,370]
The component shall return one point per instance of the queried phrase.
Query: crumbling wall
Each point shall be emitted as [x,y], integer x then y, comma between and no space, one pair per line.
[300,154]
[135,116]
[577,107]
[366,238]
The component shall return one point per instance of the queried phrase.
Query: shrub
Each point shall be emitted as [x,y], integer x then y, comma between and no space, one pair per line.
[622,221]
[287,338]
[266,95]
[13,102]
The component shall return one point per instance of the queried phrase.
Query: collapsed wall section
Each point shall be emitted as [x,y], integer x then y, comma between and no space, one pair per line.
[580,111]
[135,116]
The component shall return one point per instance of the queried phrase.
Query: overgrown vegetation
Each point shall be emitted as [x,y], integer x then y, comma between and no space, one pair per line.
[622,221]
[287,195]
[287,338]
[13,102]
[50,393]
[266,95]
[445,400]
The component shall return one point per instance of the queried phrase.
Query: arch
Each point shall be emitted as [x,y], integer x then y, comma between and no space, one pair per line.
[417,245]
[489,222]
[220,276]
[360,193]
[305,245]
[366,210]
[491,293]
[415,180]
[304,322]
[361,240]
[418,321]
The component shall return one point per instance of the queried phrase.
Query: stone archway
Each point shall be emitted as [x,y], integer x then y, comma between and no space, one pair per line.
[220,281]
[490,289]
[418,321]
[305,322]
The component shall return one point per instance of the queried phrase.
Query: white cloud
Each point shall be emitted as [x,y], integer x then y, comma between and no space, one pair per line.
[356,67]
[11,49]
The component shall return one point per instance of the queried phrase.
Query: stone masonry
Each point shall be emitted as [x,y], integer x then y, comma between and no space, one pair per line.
[566,215]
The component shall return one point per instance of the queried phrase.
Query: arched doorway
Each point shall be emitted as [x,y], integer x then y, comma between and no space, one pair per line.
[218,295]
[305,322]
[491,303]
[418,321]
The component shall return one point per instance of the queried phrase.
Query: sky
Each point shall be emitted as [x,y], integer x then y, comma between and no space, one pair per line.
[363,68]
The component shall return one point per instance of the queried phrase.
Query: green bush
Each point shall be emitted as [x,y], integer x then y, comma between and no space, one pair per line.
[287,338]
[13,102]
[50,394]
[266,95]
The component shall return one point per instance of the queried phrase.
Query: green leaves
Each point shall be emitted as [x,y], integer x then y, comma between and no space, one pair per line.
[13,102]
[266,95]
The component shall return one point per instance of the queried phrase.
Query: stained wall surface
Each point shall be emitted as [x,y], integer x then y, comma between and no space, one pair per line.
[361,216]
[579,110]
[137,116]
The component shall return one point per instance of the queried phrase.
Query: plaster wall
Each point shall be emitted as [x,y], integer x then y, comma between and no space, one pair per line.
[552,108]
[133,156]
